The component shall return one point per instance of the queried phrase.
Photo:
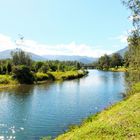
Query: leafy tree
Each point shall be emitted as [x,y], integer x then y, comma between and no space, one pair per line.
[23,74]
[44,68]
[38,65]
[116,60]
[21,58]
[9,67]
[134,37]
[103,62]
[126,59]
[78,66]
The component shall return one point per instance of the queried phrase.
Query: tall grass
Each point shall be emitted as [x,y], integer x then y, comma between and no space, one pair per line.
[68,75]
[6,79]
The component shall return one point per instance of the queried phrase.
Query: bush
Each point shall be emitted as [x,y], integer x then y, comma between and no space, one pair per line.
[41,76]
[4,79]
[23,74]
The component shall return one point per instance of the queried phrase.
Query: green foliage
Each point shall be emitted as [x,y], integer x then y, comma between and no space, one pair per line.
[21,58]
[8,67]
[72,127]
[126,59]
[5,79]
[41,76]
[118,69]
[44,68]
[52,66]
[23,74]
[5,66]
[22,68]
[134,37]
[78,66]
[116,60]
[136,87]
[68,75]
[37,65]
[105,62]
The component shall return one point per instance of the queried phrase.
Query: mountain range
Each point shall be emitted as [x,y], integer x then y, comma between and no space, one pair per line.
[84,59]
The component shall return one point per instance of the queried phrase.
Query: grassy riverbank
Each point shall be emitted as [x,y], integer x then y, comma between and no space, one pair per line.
[68,75]
[118,69]
[8,80]
[121,121]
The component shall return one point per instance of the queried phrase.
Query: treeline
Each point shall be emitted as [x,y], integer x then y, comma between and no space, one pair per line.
[109,61]
[133,54]
[131,58]
[25,70]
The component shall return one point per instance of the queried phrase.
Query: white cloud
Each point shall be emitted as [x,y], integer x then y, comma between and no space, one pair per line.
[6,42]
[121,38]
[45,49]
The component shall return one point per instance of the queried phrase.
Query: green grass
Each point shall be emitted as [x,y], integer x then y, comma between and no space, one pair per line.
[119,122]
[67,75]
[119,69]
[41,76]
[7,81]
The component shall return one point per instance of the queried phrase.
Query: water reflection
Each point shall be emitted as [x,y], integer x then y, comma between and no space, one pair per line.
[29,112]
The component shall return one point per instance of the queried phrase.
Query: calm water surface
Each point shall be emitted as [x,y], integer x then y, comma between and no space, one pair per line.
[30,112]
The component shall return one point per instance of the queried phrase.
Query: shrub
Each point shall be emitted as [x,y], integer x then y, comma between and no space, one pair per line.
[23,74]
[4,79]
[41,76]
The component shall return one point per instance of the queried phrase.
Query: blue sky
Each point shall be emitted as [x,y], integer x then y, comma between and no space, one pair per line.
[70,27]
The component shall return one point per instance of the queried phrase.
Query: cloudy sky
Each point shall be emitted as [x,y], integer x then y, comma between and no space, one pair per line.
[68,27]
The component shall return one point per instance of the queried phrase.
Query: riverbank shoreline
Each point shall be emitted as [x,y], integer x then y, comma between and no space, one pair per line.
[120,121]
[119,69]
[55,76]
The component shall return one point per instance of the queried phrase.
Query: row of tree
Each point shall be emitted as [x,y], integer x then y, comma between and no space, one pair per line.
[105,62]
[23,68]
[21,58]
[132,57]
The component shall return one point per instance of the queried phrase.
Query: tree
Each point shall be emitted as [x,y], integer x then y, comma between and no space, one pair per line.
[126,59]
[44,68]
[104,62]
[23,74]
[9,67]
[21,58]
[134,37]
[78,66]
[116,60]
[38,65]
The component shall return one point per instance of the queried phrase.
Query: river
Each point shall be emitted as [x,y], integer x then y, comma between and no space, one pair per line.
[30,112]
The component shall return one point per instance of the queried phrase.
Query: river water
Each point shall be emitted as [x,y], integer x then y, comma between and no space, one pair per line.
[30,112]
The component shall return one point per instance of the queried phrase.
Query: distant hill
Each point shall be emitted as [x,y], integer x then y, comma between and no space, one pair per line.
[122,51]
[83,59]
[7,54]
